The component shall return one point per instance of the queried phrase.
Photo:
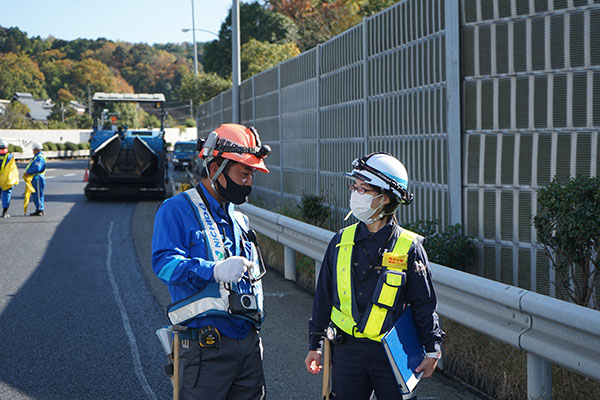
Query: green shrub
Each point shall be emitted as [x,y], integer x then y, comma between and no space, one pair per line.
[314,211]
[83,146]
[290,209]
[71,146]
[190,123]
[14,149]
[60,146]
[49,146]
[448,247]
[568,225]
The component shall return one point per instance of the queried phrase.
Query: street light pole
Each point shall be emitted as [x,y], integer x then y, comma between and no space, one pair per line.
[235,61]
[194,36]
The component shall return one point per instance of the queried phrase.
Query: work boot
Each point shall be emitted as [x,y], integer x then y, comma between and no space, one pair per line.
[38,213]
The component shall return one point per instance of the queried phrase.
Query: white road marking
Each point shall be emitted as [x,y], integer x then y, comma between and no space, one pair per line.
[50,177]
[70,175]
[135,355]
[276,294]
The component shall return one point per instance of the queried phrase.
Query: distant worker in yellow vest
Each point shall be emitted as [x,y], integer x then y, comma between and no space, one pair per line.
[9,177]
[37,169]
[355,298]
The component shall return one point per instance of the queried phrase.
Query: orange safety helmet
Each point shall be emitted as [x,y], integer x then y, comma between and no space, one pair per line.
[237,143]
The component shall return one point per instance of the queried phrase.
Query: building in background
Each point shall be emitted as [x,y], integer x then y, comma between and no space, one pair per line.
[39,109]
[3,105]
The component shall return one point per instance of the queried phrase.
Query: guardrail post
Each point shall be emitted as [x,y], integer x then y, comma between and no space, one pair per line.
[289,263]
[539,378]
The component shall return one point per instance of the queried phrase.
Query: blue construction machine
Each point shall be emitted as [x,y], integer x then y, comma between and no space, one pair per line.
[126,162]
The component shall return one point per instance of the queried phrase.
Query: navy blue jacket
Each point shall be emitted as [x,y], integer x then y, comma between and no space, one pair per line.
[366,253]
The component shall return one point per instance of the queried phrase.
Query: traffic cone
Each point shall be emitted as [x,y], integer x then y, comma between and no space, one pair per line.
[85,175]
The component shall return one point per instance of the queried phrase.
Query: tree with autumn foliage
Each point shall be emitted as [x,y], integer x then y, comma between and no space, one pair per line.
[18,73]
[89,76]
[259,56]
[256,22]
[320,20]
[201,88]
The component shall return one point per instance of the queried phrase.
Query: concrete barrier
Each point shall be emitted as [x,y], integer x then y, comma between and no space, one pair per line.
[54,154]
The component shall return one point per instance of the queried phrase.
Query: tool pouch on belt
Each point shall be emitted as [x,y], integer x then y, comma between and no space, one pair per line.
[387,292]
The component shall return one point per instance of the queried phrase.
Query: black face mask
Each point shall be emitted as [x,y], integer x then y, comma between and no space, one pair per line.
[233,192]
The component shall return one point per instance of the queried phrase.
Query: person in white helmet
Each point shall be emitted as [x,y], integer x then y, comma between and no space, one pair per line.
[349,290]
[37,168]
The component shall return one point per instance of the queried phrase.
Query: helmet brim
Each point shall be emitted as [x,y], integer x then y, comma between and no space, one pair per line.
[355,174]
[247,159]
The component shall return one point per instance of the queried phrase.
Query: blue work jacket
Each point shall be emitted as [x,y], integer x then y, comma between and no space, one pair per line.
[366,256]
[180,257]
[37,165]
[8,157]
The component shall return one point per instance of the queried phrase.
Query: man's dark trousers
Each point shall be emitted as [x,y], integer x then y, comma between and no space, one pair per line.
[230,371]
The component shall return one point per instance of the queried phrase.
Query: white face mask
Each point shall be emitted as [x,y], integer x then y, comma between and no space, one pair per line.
[360,206]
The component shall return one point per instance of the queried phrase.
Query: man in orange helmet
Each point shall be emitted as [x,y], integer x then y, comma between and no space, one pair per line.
[206,254]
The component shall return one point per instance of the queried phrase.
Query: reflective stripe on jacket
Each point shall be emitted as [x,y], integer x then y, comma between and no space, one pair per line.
[376,319]
[181,259]
[213,299]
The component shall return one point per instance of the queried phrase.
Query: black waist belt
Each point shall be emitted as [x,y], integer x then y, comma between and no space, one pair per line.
[346,338]
[207,336]
[191,334]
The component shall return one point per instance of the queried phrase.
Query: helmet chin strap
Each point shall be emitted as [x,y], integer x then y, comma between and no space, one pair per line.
[214,178]
[380,214]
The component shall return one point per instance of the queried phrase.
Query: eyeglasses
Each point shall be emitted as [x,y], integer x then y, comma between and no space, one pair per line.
[359,189]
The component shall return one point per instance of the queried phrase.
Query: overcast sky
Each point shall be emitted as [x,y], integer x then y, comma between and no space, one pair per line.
[135,21]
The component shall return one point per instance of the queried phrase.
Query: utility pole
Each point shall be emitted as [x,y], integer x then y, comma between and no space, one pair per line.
[235,61]
[89,100]
[195,59]
[194,38]
[62,111]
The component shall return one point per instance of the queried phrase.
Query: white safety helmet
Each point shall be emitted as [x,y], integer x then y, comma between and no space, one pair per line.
[3,147]
[36,146]
[384,171]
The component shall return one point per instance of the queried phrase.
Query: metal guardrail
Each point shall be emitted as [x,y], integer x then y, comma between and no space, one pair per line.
[551,331]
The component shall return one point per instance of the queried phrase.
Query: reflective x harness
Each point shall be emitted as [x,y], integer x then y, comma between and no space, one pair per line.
[31,162]
[345,315]
[214,298]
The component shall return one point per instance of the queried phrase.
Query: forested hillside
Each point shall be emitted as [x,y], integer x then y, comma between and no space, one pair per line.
[271,32]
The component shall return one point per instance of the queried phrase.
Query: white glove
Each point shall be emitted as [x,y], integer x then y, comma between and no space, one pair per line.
[231,269]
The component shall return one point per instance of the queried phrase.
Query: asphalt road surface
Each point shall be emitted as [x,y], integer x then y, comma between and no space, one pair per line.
[77,319]
[79,305]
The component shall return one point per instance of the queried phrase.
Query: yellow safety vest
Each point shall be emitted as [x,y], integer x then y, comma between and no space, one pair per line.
[395,263]
[32,160]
